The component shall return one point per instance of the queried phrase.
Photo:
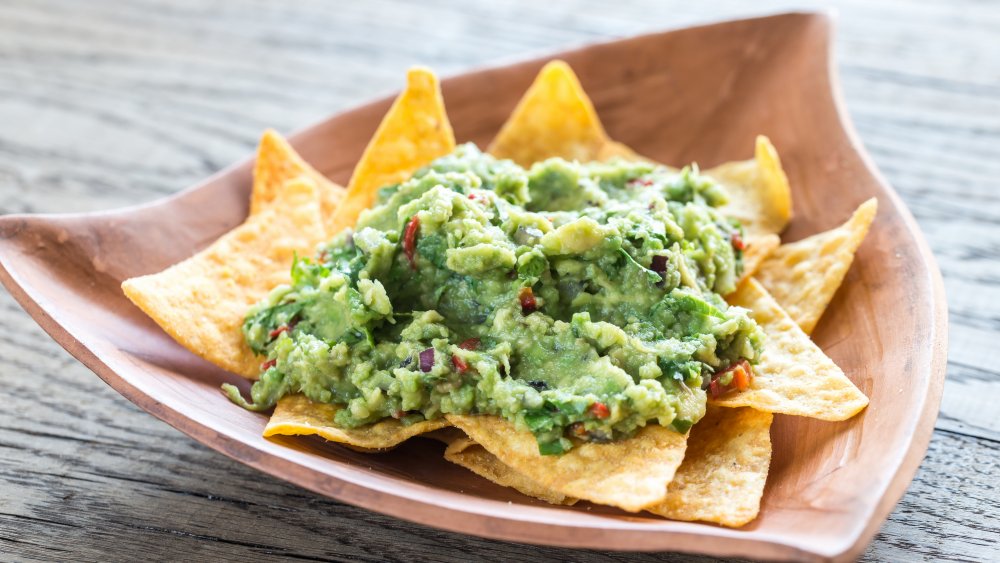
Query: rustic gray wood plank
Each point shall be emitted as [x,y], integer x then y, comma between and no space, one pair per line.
[105,103]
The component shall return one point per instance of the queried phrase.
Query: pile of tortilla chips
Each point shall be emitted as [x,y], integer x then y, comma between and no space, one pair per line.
[715,473]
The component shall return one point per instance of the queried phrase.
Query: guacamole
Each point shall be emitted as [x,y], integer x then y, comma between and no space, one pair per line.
[579,301]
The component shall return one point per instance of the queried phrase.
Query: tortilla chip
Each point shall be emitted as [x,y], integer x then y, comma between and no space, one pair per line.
[555,118]
[201,302]
[724,470]
[793,376]
[721,479]
[759,195]
[757,250]
[472,456]
[630,474]
[414,132]
[803,276]
[296,415]
[277,164]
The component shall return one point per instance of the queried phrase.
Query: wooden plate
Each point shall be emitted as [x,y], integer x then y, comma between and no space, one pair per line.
[698,94]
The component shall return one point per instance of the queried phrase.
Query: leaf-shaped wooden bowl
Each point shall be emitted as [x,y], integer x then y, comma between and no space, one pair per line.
[698,94]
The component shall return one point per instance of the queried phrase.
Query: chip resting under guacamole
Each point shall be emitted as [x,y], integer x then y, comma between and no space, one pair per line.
[572,308]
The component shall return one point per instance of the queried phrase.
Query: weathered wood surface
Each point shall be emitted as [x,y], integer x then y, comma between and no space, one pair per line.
[105,103]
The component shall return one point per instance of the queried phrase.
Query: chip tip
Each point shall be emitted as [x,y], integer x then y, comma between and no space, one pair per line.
[127,288]
[559,72]
[556,65]
[764,151]
[869,207]
[270,142]
[132,289]
[767,156]
[774,175]
[420,77]
[863,217]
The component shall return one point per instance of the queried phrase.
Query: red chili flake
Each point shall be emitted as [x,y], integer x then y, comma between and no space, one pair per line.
[472,196]
[528,302]
[460,364]
[578,429]
[277,332]
[410,240]
[600,410]
[469,344]
[737,241]
[639,182]
[268,365]
[398,414]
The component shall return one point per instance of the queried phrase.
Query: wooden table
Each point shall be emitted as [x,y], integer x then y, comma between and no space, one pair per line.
[108,103]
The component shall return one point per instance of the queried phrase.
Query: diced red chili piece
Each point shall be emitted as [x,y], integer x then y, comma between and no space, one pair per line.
[472,196]
[737,241]
[410,240]
[715,389]
[460,364]
[277,332]
[742,376]
[600,410]
[469,344]
[268,365]
[640,182]
[528,302]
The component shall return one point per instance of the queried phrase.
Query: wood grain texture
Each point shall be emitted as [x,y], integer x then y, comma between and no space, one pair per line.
[107,104]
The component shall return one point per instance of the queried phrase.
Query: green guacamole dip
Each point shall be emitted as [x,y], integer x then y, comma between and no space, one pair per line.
[578,301]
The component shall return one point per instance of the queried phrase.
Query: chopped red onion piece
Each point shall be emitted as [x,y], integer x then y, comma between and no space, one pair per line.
[659,264]
[427,360]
